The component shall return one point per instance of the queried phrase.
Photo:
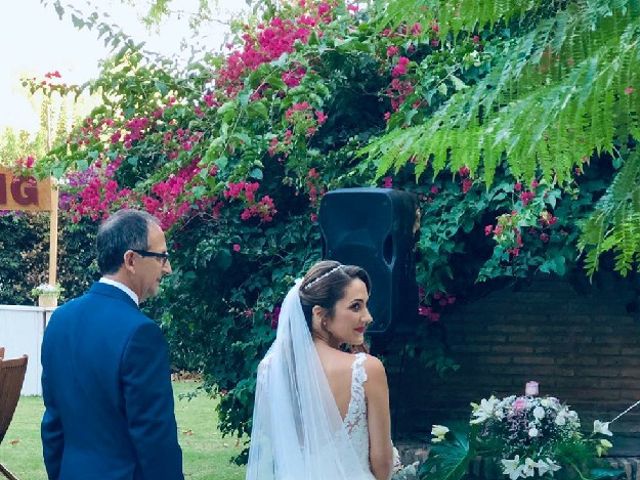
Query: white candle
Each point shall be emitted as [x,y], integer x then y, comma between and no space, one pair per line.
[531,389]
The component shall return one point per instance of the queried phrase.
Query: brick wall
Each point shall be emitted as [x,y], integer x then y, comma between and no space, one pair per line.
[583,348]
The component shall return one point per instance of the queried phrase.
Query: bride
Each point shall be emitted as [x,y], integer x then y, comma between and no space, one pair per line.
[321,413]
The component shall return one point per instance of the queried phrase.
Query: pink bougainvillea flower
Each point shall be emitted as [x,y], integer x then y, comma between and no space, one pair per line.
[321,117]
[526,197]
[275,316]
[273,145]
[292,78]
[400,68]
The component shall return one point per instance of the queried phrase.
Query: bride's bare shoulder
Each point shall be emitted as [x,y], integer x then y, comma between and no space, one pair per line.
[372,366]
[345,359]
[375,370]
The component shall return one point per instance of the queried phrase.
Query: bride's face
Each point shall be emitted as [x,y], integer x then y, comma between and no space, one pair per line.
[351,316]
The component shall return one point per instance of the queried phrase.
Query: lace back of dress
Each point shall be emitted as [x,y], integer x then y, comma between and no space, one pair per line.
[357,411]
[355,421]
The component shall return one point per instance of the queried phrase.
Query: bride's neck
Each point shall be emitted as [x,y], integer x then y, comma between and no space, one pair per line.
[324,341]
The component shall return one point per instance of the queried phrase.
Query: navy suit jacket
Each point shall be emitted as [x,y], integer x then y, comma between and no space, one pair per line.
[107,392]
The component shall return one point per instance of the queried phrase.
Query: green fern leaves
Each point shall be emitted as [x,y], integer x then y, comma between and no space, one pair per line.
[562,85]
[615,224]
[559,92]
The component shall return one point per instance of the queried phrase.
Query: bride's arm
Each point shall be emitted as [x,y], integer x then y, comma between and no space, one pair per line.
[379,419]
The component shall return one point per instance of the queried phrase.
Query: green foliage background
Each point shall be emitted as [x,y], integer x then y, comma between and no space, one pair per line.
[515,123]
[24,256]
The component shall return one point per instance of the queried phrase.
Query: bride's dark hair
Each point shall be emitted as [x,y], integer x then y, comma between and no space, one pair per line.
[325,284]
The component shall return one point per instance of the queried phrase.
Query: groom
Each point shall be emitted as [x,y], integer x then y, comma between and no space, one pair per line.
[105,367]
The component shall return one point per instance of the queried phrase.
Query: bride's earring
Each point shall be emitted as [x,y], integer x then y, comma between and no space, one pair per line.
[326,328]
[330,336]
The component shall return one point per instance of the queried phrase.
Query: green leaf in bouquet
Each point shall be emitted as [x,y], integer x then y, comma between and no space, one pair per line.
[450,459]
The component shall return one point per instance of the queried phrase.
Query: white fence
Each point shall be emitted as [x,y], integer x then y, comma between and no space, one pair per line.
[21,330]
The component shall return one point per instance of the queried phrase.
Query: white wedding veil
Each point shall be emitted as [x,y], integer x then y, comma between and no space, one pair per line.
[297,431]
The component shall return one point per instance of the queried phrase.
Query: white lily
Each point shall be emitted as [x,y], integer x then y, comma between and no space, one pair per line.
[603,446]
[484,411]
[547,465]
[528,469]
[512,468]
[602,427]
[542,467]
[606,443]
[438,432]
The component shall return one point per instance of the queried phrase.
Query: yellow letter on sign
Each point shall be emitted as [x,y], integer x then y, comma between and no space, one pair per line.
[24,193]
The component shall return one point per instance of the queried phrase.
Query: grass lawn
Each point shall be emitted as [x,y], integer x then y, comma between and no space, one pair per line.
[206,453]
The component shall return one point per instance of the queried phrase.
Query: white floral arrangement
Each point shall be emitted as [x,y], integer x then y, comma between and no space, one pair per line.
[524,436]
[532,429]
[47,289]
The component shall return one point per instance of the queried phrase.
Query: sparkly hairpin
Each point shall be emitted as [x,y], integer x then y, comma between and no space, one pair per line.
[324,275]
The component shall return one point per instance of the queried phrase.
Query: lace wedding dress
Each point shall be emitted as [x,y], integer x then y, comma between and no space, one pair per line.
[355,421]
[297,431]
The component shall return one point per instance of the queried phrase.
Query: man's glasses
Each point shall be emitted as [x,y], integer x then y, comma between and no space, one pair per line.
[163,257]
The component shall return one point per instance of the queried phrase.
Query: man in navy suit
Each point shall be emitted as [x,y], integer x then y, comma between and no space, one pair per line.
[105,367]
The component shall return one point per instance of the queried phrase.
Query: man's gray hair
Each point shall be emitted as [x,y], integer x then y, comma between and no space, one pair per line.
[124,230]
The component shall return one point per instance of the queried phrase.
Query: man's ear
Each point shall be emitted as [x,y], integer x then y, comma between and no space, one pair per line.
[129,261]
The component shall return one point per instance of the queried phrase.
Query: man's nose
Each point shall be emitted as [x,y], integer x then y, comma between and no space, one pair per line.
[166,268]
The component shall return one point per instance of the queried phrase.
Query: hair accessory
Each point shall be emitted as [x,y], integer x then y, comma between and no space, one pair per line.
[324,275]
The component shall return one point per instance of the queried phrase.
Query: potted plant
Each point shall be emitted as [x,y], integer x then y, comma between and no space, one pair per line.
[47,294]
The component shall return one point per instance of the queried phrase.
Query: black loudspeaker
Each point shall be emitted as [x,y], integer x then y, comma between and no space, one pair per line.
[373,228]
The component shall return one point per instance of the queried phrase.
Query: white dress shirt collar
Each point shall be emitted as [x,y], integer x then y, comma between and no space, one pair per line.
[122,287]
